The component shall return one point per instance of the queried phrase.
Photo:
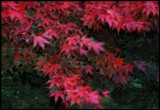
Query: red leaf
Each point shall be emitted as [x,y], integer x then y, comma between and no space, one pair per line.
[117,50]
[71,41]
[97,47]
[66,48]
[105,93]
[52,84]
[59,94]
[101,17]
[41,63]
[95,98]
[151,7]
[17,57]
[14,14]
[52,94]
[65,103]
[118,62]
[88,69]
[122,79]
[40,41]
[31,4]
[83,52]
[129,68]
[53,68]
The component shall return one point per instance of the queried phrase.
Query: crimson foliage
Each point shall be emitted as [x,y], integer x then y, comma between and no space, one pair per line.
[67,53]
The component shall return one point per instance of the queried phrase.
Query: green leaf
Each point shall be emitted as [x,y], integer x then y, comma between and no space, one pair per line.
[75,106]
[136,85]
[108,103]
[92,39]
[9,78]
[40,74]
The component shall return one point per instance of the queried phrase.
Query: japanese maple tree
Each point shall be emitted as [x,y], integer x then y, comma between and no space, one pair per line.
[55,31]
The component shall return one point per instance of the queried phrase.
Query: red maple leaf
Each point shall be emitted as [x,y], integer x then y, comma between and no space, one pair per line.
[95,98]
[97,47]
[31,4]
[84,41]
[122,79]
[117,50]
[64,5]
[118,62]
[59,94]
[9,3]
[105,93]
[45,68]
[101,17]
[53,68]
[83,52]
[151,7]
[129,68]
[17,57]
[71,41]
[46,21]
[52,84]
[52,94]
[65,103]
[28,54]
[88,69]
[41,63]
[66,48]
[14,14]
[72,94]
[40,41]
[53,33]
